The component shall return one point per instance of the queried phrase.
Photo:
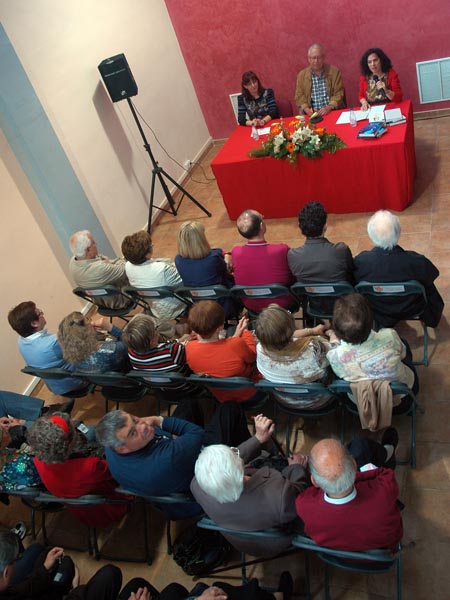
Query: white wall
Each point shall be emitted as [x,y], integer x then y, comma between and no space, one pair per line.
[60,45]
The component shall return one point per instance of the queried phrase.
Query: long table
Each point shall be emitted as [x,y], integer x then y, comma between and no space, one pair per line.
[365,176]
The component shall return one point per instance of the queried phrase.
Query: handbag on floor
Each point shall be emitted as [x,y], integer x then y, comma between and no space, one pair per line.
[199,551]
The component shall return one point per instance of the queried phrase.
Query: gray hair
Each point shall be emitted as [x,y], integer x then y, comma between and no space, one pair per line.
[313,46]
[339,484]
[108,426]
[9,549]
[384,229]
[80,242]
[220,473]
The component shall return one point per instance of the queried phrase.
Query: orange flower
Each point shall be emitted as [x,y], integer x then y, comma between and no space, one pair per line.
[275,129]
[290,147]
[320,130]
[293,123]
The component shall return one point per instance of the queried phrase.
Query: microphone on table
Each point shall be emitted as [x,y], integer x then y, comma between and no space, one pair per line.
[382,90]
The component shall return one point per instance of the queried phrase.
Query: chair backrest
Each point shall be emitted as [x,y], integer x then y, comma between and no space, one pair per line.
[351,558]
[284,107]
[208,292]
[234,104]
[222,383]
[146,295]
[108,379]
[105,291]
[399,288]
[51,373]
[161,380]
[269,534]
[262,292]
[322,290]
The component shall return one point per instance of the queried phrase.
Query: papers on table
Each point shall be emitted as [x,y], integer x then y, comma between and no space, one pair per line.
[264,131]
[376,114]
[344,117]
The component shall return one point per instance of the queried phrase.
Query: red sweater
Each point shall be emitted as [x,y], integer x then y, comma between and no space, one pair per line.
[231,357]
[78,476]
[393,83]
[369,521]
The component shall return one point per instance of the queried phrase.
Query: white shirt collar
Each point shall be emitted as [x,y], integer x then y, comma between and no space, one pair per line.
[343,500]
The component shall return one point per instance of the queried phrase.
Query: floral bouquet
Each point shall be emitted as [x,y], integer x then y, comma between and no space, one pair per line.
[297,138]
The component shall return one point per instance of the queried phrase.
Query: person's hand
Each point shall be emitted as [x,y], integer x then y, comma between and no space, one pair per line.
[308,111]
[241,327]
[324,110]
[381,85]
[331,335]
[264,428]
[298,459]
[141,594]
[187,337]
[260,122]
[319,329]
[52,557]
[364,105]
[213,593]
[76,577]
[229,262]
[7,422]
[102,324]
[153,421]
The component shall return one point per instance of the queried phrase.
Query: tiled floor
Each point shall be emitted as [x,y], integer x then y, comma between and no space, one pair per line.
[425,491]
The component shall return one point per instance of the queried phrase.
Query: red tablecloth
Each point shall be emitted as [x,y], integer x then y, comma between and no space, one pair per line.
[364,177]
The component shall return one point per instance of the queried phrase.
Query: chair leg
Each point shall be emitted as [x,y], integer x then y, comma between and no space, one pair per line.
[413,436]
[288,435]
[307,578]
[243,569]
[149,559]
[89,542]
[95,544]
[327,582]
[169,536]
[44,530]
[33,524]
[399,577]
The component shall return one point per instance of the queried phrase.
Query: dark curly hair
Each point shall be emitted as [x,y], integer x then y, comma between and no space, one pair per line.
[312,219]
[386,64]
[135,247]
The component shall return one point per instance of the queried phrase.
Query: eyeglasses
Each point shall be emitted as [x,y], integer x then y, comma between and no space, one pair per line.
[235,451]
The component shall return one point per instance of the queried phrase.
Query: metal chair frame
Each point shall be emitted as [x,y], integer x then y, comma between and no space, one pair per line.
[269,291]
[310,291]
[367,561]
[339,386]
[396,289]
[114,386]
[107,291]
[144,296]
[303,391]
[58,373]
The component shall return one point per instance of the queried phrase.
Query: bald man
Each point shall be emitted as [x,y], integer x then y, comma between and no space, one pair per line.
[350,509]
[258,262]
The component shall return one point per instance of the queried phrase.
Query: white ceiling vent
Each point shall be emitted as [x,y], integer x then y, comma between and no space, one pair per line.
[433,78]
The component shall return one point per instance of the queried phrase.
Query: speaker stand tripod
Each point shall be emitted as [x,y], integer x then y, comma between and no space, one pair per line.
[159,173]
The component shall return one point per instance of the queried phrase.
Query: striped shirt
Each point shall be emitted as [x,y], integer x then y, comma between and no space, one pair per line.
[166,358]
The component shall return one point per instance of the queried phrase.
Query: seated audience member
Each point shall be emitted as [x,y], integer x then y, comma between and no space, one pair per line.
[200,265]
[319,260]
[39,348]
[348,509]
[387,262]
[258,262]
[358,353]
[145,272]
[77,336]
[285,354]
[145,458]
[89,269]
[149,356]
[248,499]
[319,86]
[378,81]
[227,357]
[25,408]
[64,463]
[256,104]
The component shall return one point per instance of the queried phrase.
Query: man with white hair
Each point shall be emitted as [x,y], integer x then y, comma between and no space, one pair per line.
[348,509]
[319,86]
[387,262]
[89,269]
[249,499]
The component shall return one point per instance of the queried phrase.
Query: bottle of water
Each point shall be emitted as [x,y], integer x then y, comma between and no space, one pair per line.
[255,134]
[352,118]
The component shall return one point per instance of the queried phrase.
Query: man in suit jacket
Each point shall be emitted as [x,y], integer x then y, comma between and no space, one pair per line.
[249,499]
[388,262]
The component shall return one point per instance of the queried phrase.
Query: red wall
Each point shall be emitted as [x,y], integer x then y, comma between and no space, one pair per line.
[222,39]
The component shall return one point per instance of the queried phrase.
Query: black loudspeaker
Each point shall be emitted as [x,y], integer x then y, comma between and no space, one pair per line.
[118,78]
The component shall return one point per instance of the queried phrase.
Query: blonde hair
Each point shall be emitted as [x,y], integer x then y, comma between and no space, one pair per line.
[77,338]
[192,242]
[275,327]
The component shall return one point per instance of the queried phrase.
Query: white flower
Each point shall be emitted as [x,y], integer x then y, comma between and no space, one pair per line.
[315,141]
[301,135]
[278,141]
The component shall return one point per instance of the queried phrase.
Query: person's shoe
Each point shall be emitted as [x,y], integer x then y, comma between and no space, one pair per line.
[65,407]
[286,585]
[20,529]
[390,438]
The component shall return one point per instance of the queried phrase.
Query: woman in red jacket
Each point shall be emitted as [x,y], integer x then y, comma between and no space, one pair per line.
[378,82]
[66,469]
